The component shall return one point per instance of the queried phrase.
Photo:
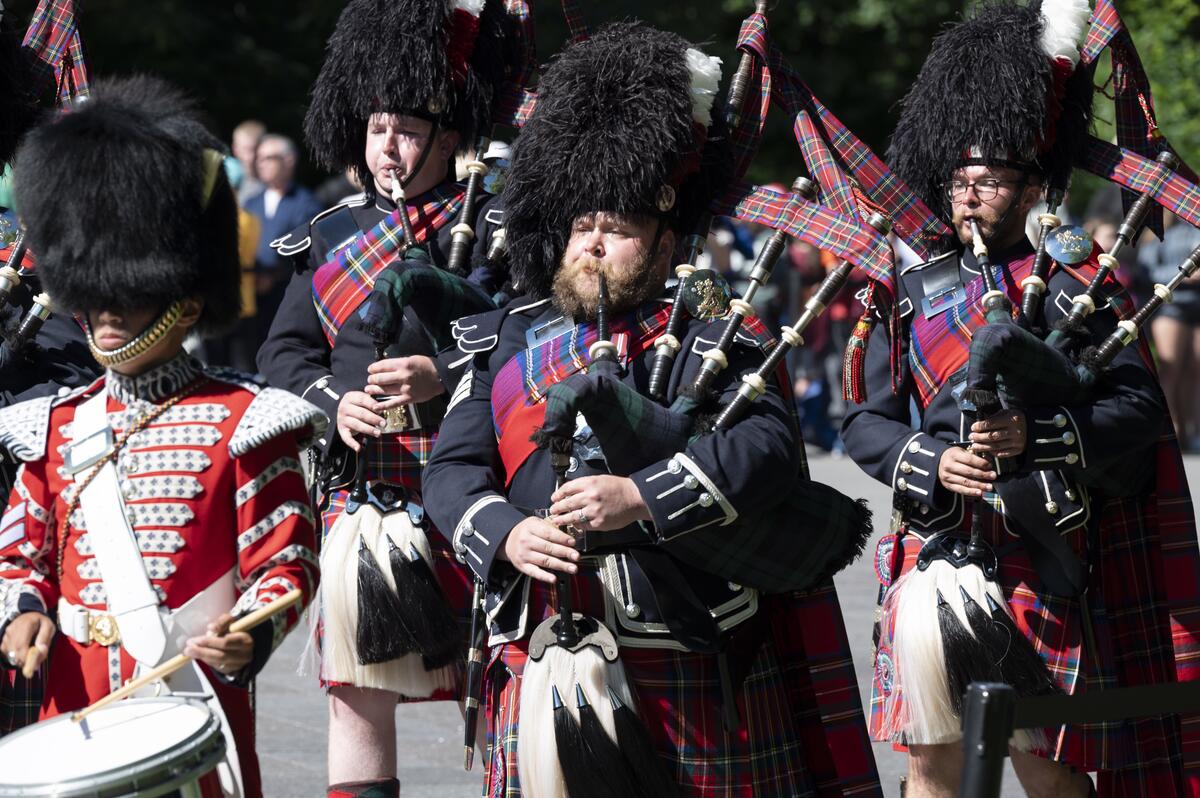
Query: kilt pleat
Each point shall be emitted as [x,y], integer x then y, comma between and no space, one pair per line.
[802,731]
[1133,629]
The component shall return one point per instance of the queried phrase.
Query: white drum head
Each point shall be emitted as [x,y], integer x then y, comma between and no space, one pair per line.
[149,745]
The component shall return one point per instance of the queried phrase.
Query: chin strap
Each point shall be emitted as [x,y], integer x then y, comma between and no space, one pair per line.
[144,342]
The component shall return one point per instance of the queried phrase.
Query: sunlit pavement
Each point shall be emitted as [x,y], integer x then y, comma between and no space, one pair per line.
[291,708]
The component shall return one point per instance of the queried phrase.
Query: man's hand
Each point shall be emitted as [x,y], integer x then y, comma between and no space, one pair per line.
[223,652]
[601,502]
[28,630]
[536,548]
[357,415]
[404,380]
[1002,435]
[960,471]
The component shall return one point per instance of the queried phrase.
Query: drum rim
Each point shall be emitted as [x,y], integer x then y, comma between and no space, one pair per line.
[207,743]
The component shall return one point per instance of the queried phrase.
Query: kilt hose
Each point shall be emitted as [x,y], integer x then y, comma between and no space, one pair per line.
[802,732]
[1127,598]
[454,580]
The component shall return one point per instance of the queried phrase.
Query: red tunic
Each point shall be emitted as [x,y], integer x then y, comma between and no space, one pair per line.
[213,488]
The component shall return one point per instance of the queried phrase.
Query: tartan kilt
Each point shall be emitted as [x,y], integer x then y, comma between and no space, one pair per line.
[20,700]
[1133,632]
[802,732]
[453,579]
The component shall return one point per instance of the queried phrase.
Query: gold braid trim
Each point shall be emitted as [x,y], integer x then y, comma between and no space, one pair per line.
[139,345]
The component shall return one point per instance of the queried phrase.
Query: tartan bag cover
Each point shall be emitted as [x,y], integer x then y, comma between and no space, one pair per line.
[53,38]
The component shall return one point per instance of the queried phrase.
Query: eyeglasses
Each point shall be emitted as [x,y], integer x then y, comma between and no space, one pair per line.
[271,157]
[985,189]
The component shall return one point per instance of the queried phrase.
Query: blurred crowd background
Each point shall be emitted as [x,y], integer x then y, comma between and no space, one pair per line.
[251,63]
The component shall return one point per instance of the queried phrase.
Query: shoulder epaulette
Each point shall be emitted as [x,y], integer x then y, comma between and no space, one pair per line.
[25,426]
[916,267]
[271,413]
[300,238]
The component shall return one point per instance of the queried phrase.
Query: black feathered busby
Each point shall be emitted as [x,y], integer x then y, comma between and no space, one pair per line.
[1002,88]
[18,99]
[125,200]
[435,59]
[621,125]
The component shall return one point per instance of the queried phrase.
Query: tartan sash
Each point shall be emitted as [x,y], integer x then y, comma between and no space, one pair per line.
[520,386]
[344,283]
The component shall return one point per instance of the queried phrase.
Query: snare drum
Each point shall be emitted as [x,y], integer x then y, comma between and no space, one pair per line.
[141,746]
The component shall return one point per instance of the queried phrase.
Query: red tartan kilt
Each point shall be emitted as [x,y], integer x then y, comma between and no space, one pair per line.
[1133,638]
[802,727]
[453,578]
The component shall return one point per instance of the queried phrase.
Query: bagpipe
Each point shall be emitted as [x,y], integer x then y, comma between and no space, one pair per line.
[389,626]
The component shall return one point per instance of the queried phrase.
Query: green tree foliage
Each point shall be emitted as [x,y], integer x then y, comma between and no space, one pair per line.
[257,58]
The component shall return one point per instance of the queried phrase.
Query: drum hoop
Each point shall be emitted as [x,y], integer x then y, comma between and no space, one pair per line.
[207,744]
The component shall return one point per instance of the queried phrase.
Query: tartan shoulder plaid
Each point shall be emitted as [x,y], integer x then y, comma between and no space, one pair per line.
[520,385]
[941,345]
[344,283]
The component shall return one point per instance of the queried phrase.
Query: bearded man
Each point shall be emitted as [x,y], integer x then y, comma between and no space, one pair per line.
[729,682]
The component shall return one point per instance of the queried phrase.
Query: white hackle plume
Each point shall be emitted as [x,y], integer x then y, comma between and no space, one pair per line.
[706,79]
[537,756]
[1065,23]
[472,7]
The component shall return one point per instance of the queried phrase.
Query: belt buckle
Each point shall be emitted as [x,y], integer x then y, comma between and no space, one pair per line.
[102,629]
[399,419]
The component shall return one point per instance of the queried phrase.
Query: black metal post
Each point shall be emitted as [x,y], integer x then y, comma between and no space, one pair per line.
[987,727]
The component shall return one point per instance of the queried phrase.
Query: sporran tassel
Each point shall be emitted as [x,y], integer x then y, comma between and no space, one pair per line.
[638,750]
[423,607]
[382,634]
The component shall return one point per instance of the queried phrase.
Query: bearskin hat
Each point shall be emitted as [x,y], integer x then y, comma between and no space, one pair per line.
[17,95]
[435,59]
[125,202]
[1001,87]
[621,122]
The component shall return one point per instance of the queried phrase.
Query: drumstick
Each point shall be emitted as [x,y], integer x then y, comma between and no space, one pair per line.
[179,660]
[31,662]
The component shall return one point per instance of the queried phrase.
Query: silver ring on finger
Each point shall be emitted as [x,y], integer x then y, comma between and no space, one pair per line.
[580,518]
[13,659]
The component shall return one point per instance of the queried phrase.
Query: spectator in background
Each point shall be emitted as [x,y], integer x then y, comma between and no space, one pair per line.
[246,137]
[238,348]
[1176,327]
[280,207]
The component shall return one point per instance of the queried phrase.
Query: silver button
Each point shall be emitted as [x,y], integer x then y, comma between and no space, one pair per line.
[1071,496]
[632,610]
[1060,420]
[131,515]
[468,530]
[905,468]
[460,548]
[734,586]
[902,484]
[1068,438]
[1072,458]
[131,465]
[574,466]
[924,509]
[705,500]
[914,447]
[1052,508]
[129,490]
[674,466]
[690,482]
[63,391]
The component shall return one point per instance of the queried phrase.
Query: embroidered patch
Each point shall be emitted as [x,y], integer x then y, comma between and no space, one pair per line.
[885,560]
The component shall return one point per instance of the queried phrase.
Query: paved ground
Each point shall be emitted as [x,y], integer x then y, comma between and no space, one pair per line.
[291,710]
